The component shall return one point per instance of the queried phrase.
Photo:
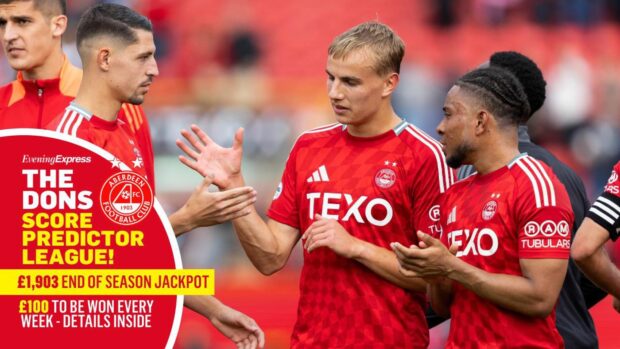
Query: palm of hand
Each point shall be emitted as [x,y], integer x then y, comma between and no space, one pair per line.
[221,164]
[209,158]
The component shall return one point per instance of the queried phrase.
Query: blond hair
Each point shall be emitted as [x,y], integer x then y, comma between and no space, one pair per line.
[378,39]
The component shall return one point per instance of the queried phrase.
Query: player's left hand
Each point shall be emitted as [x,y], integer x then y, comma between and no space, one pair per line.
[617,304]
[239,328]
[212,160]
[427,260]
[324,232]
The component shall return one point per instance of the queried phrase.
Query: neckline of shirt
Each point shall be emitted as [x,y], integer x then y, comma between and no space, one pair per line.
[380,137]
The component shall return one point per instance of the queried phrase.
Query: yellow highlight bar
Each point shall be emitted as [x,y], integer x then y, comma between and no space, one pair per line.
[43,282]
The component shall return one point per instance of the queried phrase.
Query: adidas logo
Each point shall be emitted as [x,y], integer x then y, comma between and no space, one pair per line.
[319,175]
[452,216]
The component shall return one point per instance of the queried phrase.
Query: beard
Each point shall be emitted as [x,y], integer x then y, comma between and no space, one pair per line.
[460,154]
[136,100]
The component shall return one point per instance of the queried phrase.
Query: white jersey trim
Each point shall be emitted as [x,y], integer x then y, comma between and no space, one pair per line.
[445,177]
[544,191]
[70,122]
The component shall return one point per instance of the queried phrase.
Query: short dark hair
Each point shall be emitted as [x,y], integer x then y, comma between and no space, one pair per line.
[528,73]
[49,8]
[111,19]
[499,91]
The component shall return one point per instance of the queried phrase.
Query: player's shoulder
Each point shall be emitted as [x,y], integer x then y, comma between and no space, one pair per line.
[535,179]
[564,173]
[457,186]
[71,121]
[134,116]
[420,142]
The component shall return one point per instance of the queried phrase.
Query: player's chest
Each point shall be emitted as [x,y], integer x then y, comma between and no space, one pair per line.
[367,187]
[479,222]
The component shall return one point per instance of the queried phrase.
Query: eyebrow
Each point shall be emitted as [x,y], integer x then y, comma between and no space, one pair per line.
[350,78]
[20,18]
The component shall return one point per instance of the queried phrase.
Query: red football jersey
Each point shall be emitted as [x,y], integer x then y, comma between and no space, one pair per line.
[520,211]
[606,209]
[34,104]
[381,189]
[114,136]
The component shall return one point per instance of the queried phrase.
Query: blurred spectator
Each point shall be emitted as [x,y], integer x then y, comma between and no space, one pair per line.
[569,93]
[420,97]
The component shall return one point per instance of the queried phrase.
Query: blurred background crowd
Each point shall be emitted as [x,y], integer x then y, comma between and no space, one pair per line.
[261,65]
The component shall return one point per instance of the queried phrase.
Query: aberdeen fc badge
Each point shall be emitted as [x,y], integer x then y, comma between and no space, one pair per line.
[126,198]
[488,211]
[385,178]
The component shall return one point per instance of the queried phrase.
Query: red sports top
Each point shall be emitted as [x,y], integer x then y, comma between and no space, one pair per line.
[520,211]
[114,136]
[381,189]
[606,209]
[34,104]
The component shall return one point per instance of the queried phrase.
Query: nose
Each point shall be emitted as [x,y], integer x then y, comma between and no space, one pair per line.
[440,128]
[333,90]
[152,70]
[9,32]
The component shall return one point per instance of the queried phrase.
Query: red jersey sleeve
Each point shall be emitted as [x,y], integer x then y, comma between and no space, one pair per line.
[138,123]
[285,206]
[432,178]
[544,216]
[605,211]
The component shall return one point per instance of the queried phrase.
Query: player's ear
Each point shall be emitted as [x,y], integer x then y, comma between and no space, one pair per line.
[103,59]
[483,119]
[59,25]
[390,84]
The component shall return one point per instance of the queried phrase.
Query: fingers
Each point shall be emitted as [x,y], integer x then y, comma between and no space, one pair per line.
[317,241]
[206,181]
[201,135]
[427,239]
[233,197]
[408,273]
[232,208]
[253,341]
[403,252]
[406,256]
[192,140]
[191,164]
[238,140]
[261,337]
[315,237]
[187,150]
[454,248]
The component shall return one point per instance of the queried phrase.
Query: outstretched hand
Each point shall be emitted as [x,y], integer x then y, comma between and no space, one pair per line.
[205,208]
[210,159]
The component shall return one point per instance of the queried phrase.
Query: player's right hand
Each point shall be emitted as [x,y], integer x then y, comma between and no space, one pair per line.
[206,208]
